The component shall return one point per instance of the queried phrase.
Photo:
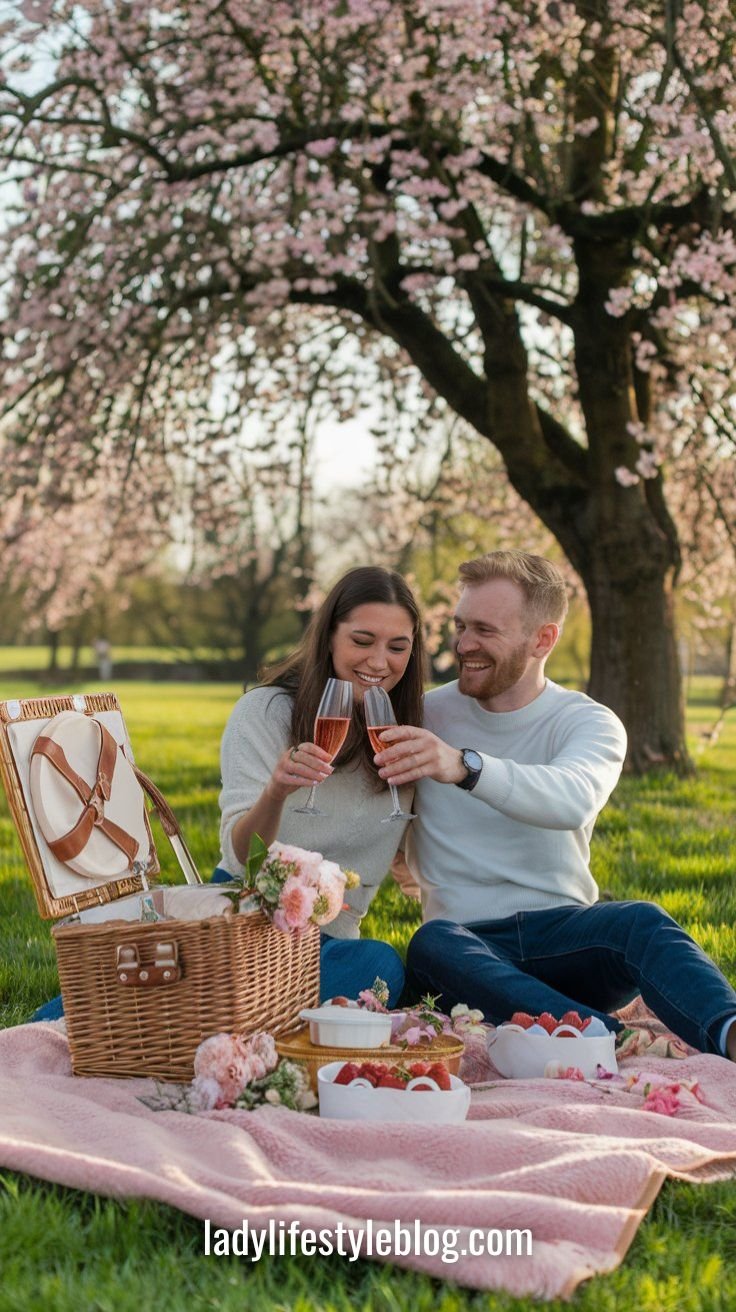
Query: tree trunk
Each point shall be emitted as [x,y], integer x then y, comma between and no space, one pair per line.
[728,691]
[53,642]
[634,666]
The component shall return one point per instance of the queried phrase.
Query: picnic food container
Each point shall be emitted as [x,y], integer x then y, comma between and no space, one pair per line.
[140,991]
[520,1055]
[332,1026]
[299,1047]
[351,1102]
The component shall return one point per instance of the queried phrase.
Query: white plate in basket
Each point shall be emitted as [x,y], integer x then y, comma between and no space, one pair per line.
[345,1102]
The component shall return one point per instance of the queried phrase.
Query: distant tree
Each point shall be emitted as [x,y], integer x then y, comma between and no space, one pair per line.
[529,201]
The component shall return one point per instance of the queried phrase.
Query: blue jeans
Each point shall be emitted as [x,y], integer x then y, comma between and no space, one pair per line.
[590,959]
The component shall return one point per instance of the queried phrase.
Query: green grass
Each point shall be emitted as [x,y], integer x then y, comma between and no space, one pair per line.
[665,838]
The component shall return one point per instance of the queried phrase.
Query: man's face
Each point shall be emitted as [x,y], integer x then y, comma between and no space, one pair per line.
[494,641]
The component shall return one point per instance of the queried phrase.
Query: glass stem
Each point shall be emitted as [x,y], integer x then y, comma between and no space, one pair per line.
[395,800]
[310,800]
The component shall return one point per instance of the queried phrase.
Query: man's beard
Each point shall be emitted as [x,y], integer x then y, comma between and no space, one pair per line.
[498,678]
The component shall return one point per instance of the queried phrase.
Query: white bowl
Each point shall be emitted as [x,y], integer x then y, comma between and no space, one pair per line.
[346,1102]
[522,1056]
[347,1027]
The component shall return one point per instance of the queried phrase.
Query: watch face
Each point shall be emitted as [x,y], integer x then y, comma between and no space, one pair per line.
[473,761]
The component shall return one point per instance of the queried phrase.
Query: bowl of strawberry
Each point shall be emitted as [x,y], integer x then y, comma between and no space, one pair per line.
[522,1048]
[421,1091]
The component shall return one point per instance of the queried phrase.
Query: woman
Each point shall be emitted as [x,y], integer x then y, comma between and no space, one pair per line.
[367,631]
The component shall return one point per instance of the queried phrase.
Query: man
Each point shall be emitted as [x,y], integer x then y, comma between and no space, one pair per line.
[511,771]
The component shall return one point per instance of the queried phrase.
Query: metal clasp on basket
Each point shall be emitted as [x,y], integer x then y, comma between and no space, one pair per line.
[165,968]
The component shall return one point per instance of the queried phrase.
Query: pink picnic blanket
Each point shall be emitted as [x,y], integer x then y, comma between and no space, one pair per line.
[576,1165]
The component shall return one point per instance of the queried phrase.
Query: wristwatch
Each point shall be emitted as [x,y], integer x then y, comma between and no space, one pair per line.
[473,762]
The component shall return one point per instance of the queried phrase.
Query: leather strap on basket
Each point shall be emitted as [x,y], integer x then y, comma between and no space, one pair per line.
[169,822]
[170,826]
[71,844]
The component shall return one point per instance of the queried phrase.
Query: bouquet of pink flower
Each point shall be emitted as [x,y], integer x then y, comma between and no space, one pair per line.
[232,1071]
[292,886]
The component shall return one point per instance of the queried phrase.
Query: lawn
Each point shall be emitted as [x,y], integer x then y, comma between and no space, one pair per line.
[664,838]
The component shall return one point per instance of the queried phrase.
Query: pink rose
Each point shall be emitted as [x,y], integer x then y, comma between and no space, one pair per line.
[206,1093]
[297,902]
[331,890]
[663,1101]
[263,1045]
[307,863]
[221,1059]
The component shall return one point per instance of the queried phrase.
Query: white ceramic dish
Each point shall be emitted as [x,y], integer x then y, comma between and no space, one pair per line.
[333,1026]
[522,1056]
[346,1102]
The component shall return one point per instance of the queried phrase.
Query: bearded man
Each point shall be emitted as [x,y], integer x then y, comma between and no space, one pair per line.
[511,772]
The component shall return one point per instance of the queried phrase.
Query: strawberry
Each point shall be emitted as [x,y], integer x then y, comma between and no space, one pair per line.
[419,1068]
[372,1070]
[340,1002]
[347,1072]
[584,1024]
[572,1018]
[440,1074]
[423,1088]
[390,1081]
[547,1021]
[569,1032]
[522,1018]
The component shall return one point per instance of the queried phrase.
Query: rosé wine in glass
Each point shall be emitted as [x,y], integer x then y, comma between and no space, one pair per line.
[379,716]
[331,726]
[330,732]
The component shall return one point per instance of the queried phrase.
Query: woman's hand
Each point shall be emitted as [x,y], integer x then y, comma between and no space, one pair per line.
[299,767]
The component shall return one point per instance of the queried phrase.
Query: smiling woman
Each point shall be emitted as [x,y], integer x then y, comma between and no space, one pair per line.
[368,633]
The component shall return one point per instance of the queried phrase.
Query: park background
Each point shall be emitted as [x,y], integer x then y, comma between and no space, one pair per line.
[289,288]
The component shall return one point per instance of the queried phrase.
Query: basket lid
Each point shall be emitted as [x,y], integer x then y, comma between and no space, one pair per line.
[86,838]
[87,800]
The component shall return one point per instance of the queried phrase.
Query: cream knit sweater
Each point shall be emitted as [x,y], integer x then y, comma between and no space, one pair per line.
[350,834]
[520,841]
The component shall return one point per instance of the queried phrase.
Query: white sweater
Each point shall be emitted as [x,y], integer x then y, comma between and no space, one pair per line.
[520,841]
[351,833]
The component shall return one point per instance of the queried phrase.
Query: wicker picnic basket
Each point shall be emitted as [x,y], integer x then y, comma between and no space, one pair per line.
[138,997]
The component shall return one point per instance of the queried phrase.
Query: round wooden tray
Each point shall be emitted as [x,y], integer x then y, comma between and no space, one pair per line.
[297,1046]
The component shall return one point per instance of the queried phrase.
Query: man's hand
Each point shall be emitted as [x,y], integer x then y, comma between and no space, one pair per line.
[418,754]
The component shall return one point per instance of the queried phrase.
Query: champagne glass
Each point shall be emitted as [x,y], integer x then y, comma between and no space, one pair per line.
[331,725]
[379,715]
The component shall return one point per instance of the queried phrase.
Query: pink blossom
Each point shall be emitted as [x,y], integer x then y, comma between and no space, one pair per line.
[280,922]
[297,902]
[625,476]
[663,1101]
[206,1092]
[263,1045]
[330,893]
[308,863]
[220,1058]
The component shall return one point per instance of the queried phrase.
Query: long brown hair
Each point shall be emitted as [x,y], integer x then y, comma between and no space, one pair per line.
[303,674]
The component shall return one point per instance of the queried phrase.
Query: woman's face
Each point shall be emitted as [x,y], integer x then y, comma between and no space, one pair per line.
[371,646]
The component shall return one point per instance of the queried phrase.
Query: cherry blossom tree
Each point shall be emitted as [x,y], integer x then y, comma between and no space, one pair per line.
[527,202]
[66,557]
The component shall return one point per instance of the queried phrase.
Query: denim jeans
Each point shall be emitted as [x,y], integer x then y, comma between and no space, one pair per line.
[591,959]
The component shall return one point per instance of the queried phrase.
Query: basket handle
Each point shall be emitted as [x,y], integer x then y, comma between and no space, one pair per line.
[165,969]
[170,826]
